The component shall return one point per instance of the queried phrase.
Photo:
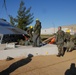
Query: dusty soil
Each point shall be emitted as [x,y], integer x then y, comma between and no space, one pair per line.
[40,65]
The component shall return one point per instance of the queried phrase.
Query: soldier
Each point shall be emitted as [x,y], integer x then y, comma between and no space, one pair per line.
[30,30]
[67,40]
[36,35]
[73,39]
[60,41]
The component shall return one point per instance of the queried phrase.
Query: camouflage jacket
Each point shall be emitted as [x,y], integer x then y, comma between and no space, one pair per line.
[37,28]
[60,35]
[30,30]
[74,38]
[67,37]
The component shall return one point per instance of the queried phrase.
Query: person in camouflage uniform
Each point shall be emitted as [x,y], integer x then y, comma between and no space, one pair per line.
[36,35]
[67,40]
[70,41]
[73,39]
[30,30]
[60,41]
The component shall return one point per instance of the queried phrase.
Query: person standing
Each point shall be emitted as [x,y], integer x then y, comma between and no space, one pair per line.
[36,35]
[60,41]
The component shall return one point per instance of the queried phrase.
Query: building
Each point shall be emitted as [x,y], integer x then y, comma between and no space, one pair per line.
[50,31]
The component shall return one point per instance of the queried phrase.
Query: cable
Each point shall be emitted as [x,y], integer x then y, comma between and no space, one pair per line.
[4,6]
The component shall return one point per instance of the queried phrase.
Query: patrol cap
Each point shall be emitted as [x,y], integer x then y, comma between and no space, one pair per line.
[59,27]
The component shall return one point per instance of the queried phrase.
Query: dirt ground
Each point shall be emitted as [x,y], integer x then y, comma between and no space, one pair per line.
[40,65]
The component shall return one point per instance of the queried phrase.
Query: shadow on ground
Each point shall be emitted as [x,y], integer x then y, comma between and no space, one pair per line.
[71,70]
[16,65]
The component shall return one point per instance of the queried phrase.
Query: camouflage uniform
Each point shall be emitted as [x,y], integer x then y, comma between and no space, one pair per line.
[60,42]
[30,30]
[36,35]
[67,41]
[73,39]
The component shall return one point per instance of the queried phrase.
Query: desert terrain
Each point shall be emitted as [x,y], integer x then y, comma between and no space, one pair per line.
[40,65]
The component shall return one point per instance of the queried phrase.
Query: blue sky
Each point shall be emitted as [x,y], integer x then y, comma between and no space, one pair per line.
[50,12]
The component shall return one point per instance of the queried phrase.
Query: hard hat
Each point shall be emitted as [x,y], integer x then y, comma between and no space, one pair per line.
[37,19]
[68,31]
[31,27]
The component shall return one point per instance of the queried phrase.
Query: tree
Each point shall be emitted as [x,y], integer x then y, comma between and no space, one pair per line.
[12,20]
[23,18]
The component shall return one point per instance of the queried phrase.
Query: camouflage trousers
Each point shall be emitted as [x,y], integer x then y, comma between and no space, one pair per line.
[36,40]
[60,49]
[70,45]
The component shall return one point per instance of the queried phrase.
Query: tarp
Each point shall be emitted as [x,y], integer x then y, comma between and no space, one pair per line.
[9,33]
[7,28]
